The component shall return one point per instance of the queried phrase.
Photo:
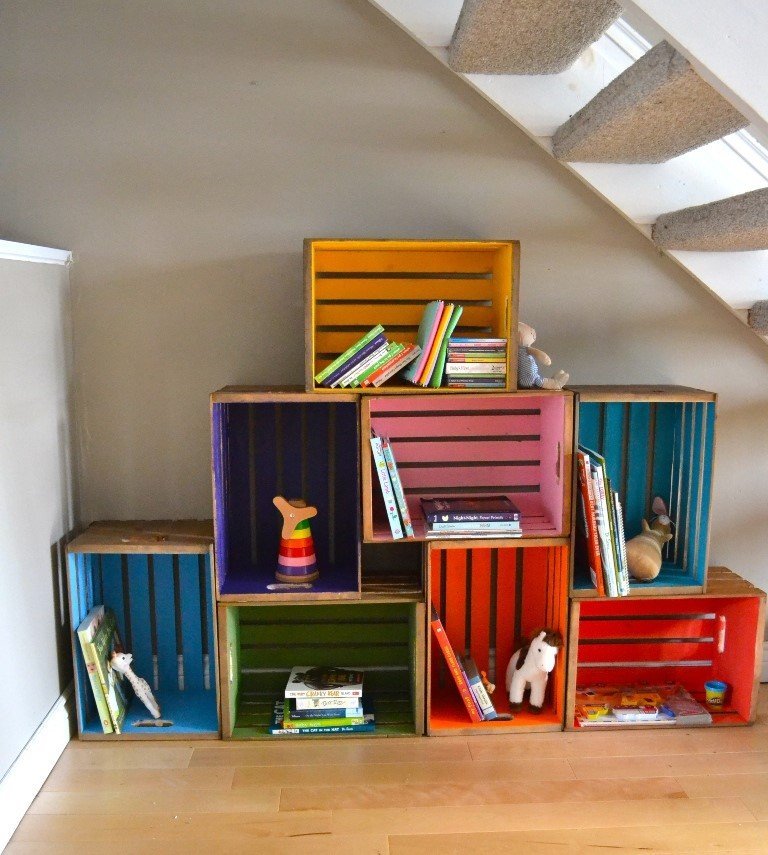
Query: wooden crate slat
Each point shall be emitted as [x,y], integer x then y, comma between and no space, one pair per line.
[191,626]
[419,289]
[395,260]
[635,498]
[165,615]
[141,623]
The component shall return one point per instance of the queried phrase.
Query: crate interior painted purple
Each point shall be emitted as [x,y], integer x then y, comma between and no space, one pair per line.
[480,444]
[294,449]
[165,616]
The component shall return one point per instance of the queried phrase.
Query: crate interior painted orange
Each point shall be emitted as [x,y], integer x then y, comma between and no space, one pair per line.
[649,641]
[356,284]
[490,601]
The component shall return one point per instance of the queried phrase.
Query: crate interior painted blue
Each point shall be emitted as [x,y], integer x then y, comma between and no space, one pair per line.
[658,449]
[297,450]
[165,617]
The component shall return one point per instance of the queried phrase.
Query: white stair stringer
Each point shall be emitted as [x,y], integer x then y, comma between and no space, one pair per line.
[538,105]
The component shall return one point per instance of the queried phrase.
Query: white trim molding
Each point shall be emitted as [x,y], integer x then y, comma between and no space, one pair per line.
[12,251]
[22,782]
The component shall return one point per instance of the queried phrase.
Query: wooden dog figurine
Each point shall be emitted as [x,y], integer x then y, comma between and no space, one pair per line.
[644,550]
[530,667]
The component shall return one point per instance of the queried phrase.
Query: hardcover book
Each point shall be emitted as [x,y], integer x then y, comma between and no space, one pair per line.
[454,666]
[323,703]
[278,716]
[106,640]
[292,719]
[478,689]
[397,486]
[387,490]
[470,509]
[315,713]
[320,681]
[85,633]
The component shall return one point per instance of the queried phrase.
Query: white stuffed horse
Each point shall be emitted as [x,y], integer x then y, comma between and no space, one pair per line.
[530,667]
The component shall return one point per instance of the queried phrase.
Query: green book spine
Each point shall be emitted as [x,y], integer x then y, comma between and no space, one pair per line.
[349,352]
[393,350]
[437,374]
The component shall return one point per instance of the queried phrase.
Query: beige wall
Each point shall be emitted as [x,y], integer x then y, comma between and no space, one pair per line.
[183,150]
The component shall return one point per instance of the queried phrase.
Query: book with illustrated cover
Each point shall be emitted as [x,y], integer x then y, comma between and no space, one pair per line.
[106,640]
[315,713]
[478,689]
[587,536]
[278,718]
[307,681]
[397,486]
[470,509]
[292,719]
[454,666]
[85,633]
[321,703]
[387,490]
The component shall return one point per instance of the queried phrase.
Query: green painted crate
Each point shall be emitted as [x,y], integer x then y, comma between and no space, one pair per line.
[260,644]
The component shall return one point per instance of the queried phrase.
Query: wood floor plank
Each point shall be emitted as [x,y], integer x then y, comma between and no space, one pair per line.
[391,773]
[127,755]
[459,793]
[676,765]
[137,780]
[473,819]
[698,786]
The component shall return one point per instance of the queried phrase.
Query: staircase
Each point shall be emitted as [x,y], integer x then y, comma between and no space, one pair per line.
[635,122]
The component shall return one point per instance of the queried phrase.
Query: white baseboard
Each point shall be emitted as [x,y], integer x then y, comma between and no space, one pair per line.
[22,782]
[764,672]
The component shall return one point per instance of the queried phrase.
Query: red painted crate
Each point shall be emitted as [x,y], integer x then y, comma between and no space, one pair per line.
[491,598]
[652,640]
[517,444]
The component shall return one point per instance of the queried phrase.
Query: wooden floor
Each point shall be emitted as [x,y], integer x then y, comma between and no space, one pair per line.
[693,791]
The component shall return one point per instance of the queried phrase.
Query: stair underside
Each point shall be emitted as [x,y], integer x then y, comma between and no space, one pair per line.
[657,109]
[527,36]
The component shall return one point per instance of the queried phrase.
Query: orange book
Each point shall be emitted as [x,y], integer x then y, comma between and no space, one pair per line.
[457,672]
[429,365]
[588,503]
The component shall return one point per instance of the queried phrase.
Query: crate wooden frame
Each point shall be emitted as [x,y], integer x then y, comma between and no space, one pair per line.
[631,419]
[471,567]
[531,430]
[390,281]
[323,650]
[726,589]
[169,548]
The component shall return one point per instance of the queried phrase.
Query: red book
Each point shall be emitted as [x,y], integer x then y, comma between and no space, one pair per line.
[588,503]
[457,672]
[385,371]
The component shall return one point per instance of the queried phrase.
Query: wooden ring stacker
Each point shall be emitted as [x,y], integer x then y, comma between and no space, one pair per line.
[296,560]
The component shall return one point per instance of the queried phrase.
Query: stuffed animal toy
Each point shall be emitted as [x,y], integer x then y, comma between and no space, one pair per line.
[530,667]
[121,662]
[528,359]
[644,550]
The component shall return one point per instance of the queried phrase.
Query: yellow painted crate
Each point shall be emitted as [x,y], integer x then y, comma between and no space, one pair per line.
[352,285]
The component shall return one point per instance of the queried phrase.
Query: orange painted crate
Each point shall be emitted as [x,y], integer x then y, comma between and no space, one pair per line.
[352,285]
[491,597]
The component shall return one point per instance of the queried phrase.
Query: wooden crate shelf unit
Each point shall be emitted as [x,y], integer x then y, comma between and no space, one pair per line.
[158,579]
[260,644]
[491,598]
[353,285]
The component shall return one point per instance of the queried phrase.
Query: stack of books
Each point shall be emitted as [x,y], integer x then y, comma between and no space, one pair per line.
[600,541]
[437,323]
[392,491]
[471,516]
[667,703]
[322,700]
[477,363]
[370,361]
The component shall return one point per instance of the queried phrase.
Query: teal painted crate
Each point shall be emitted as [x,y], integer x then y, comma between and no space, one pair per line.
[158,579]
[657,441]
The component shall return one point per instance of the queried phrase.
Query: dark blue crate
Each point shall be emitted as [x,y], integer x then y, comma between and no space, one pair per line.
[164,604]
[656,442]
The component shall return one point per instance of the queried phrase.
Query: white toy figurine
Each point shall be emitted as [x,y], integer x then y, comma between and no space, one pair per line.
[530,667]
[122,662]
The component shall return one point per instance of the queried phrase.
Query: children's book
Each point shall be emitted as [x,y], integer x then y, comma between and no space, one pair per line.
[436,379]
[395,365]
[429,322]
[454,666]
[106,640]
[478,689]
[588,524]
[348,353]
[85,633]
[387,491]
[278,717]
[434,350]
[458,369]
[356,359]
[307,681]
[397,486]
[470,509]
[500,527]
[393,349]
[321,703]
[361,367]
[291,719]
[320,713]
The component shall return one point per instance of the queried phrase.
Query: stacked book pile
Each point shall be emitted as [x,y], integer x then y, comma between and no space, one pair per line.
[668,703]
[370,361]
[477,363]
[471,516]
[437,323]
[600,541]
[322,700]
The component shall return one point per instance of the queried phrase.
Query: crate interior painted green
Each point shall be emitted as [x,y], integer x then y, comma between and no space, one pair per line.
[265,642]
[658,449]
[165,617]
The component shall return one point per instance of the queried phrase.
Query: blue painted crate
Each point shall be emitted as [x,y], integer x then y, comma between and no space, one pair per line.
[656,442]
[269,442]
[158,579]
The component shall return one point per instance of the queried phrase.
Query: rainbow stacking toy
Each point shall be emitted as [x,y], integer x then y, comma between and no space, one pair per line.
[296,560]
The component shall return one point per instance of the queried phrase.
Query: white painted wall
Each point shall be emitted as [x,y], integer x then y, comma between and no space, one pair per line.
[36,496]
[197,144]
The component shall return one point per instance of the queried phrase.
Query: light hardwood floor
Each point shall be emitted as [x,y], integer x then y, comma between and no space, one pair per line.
[692,791]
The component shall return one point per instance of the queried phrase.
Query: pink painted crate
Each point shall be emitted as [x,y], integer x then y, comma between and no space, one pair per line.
[518,444]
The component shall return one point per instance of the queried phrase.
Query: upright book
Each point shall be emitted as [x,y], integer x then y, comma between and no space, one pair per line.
[86,633]
[397,485]
[106,640]
[454,666]
[387,490]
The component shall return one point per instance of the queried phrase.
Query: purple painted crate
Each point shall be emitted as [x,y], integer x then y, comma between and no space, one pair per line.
[281,442]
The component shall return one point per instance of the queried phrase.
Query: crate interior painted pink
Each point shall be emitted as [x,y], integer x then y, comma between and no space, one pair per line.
[479,444]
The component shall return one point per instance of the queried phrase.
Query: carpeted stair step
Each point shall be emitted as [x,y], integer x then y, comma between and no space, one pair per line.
[527,36]
[657,109]
[737,223]
[758,317]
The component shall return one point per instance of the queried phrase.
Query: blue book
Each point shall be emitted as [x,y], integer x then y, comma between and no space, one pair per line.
[356,359]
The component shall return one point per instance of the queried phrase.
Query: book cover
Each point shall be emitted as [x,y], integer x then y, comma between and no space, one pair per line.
[106,640]
[322,703]
[320,713]
[603,521]
[461,369]
[394,366]
[502,526]
[429,321]
[307,681]
[436,379]
[497,508]
[290,719]
[348,353]
[434,350]
[332,379]
[587,500]
[478,689]
[276,725]
[621,547]
[613,535]
[387,492]
[393,350]
[397,486]
[85,633]
[457,672]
